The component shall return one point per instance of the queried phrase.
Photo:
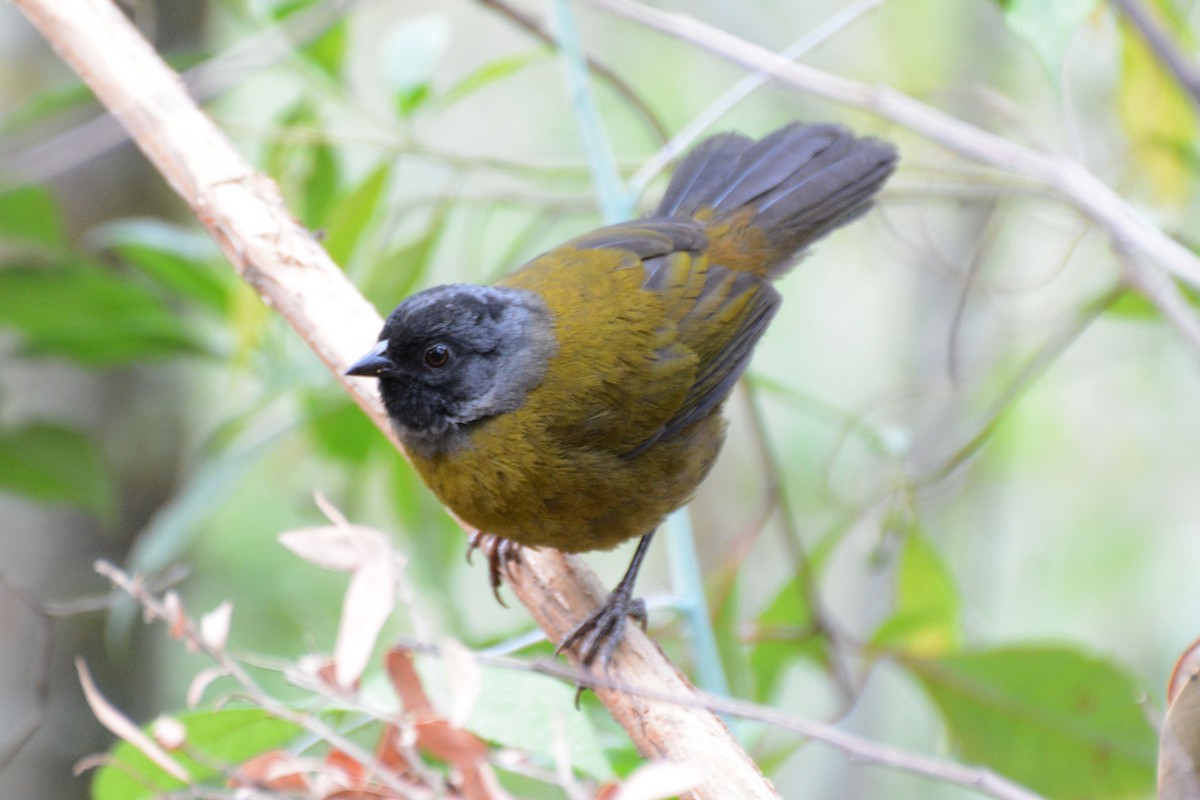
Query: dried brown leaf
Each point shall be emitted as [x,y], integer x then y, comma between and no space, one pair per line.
[369,602]
[278,770]
[342,548]
[443,741]
[121,726]
[390,751]
[1179,748]
[176,619]
[407,683]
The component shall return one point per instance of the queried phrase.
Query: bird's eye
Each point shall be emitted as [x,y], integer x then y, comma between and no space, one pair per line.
[436,356]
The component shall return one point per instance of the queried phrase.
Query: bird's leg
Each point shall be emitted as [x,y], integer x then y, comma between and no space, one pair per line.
[500,553]
[599,634]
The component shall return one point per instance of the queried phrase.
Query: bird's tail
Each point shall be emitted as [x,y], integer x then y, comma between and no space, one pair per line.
[764,201]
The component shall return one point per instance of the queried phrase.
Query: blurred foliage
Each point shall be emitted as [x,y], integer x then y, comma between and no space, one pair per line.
[214,737]
[436,144]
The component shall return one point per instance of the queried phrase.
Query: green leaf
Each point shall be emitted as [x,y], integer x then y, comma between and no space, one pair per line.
[925,622]
[180,259]
[524,710]
[495,70]
[410,54]
[1159,119]
[307,170]
[54,464]
[1133,305]
[46,103]
[328,51]
[320,185]
[727,623]
[354,212]
[784,632]
[410,98]
[395,275]
[30,214]
[90,315]
[1065,724]
[1047,26]
[340,429]
[226,736]
[437,545]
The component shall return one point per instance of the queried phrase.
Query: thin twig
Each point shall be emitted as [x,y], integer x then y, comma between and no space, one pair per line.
[1037,364]
[1185,72]
[793,543]
[619,84]
[742,89]
[1130,232]
[20,732]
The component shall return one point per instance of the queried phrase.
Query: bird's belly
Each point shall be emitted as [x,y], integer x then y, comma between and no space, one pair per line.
[538,494]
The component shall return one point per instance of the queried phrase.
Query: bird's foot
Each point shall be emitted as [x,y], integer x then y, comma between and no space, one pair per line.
[597,637]
[500,553]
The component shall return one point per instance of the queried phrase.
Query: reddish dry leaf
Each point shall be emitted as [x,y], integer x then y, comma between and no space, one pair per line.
[407,684]
[479,783]
[1179,746]
[389,753]
[608,791]
[325,672]
[176,619]
[1185,669]
[440,739]
[352,767]
[275,769]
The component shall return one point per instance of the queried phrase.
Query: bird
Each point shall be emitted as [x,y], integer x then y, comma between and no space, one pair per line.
[576,402]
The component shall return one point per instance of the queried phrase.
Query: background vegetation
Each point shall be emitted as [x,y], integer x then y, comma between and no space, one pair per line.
[956,512]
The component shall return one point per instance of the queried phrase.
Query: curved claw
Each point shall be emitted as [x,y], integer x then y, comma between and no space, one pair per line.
[597,637]
[500,553]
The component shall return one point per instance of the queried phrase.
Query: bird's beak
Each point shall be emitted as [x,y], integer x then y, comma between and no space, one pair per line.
[374,363]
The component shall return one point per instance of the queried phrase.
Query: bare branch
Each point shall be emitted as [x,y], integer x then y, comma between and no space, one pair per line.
[619,84]
[1185,72]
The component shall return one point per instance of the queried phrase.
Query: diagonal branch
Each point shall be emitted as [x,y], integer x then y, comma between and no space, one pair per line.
[283,262]
[1185,72]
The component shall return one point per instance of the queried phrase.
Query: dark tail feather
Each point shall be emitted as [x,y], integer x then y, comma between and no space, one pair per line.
[700,173]
[802,181]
